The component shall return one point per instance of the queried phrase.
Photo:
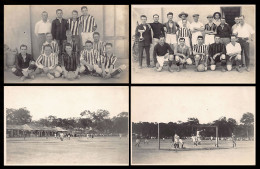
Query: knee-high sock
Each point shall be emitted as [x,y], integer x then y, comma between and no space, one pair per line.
[170,63]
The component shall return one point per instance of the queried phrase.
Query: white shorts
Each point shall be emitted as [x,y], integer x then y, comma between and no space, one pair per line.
[209,39]
[86,36]
[171,39]
[161,59]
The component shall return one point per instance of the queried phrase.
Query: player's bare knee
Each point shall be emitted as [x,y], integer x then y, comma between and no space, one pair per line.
[14,69]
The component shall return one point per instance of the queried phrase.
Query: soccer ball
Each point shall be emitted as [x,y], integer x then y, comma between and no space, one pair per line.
[71,75]
[201,68]
[213,67]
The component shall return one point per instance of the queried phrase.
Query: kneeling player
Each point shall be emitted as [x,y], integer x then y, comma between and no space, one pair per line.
[217,53]
[182,54]
[233,54]
[163,52]
[70,63]
[200,52]
[90,60]
[47,63]
[108,62]
[24,64]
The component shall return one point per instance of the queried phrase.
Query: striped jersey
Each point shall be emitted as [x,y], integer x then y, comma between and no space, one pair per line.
[200,48]
[47,61]
[91,57]
[99,46]
[88,23]
[109,60]
[74,26]
[213,27]
[70,62]
[183,32]
[54,46]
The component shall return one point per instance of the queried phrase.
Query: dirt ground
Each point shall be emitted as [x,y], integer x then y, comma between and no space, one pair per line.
[204,154]
[76,151]
[9,77]
[188,76]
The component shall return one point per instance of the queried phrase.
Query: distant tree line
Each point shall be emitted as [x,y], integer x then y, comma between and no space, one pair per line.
[186,129]
[98,120]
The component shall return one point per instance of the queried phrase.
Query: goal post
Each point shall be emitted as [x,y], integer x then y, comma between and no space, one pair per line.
[216,127]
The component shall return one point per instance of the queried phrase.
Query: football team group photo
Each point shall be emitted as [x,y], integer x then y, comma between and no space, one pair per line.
[85,44]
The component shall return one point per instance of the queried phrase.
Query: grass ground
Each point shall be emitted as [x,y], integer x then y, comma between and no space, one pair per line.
[76,151]
[150,75]
[204,154]
[124,78]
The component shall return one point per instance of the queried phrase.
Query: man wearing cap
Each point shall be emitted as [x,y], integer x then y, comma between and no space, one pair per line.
[217,53]
[182,54]
[157,30]
[144,35]
[196,28]
[237,23]
[183,16]
[171,28]
[224,31]
[217,16]
[233,54]
[210,30]
[200,52]
[244,33]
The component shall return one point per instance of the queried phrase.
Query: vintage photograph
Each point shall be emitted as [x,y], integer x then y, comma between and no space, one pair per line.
[193,44]
[193,125]
[58,125]
[66,44]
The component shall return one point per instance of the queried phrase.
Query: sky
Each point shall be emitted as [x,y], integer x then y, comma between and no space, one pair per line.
[172,104]
[66,101]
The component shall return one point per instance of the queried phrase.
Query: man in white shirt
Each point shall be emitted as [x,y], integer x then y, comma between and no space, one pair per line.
[237,23]
[233,54]
[244,33]
[41,28]
[183,16]
[196,28]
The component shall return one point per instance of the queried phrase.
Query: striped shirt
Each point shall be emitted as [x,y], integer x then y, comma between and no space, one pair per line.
[109,61]
[200,48]
[74,26]
[183,32]
[216,48]
[70,62]
[88,23]
[99,46]
[47,61]
[213,27]
[92,57]
[54,46]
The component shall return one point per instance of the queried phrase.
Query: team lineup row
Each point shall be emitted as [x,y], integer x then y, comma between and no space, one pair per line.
[187,43]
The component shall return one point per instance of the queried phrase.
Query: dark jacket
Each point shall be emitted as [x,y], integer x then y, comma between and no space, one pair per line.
[225,32]
[20,63]
[58,29]
[147,35]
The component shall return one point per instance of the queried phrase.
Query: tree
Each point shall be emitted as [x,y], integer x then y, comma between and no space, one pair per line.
[248,121]
[18,116]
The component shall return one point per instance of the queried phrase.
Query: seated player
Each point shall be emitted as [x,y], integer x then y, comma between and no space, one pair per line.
[24,64]
[182,54]
[98,44]
[71,41]
[108,63]
[90,60]
[70,63]
[54,45]
[200,52]
[217,53]
[47,63]
[163,52]
[233,54]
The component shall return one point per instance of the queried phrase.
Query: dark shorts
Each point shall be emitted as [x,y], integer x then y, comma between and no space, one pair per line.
[20,73]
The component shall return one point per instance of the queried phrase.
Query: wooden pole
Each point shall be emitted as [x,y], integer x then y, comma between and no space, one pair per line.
[159,136]
[217,136]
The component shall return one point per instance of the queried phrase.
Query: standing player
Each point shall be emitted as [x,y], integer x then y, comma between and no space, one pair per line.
[193,139]
[237,23]
[88,25]
[211,138]
[98,45]
[182,54]
[138,140]
[224,31]
[198,136]
[234,140]
[163,52]
[61,136]
[74,27]
[71,41]
[217,53]
[53,43]
[196,28]
[146,139]
[183,17]
[184,32]
[171,29]
[210,30]
[200,52]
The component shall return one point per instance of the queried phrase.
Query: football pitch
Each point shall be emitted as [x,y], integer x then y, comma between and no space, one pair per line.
[204,154]
[76,151]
